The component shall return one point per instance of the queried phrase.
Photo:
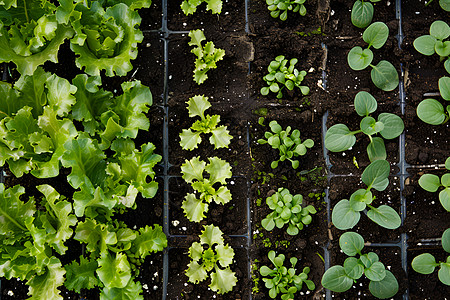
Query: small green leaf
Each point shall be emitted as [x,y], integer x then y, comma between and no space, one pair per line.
[351,243]
[446,240]
[339,138]
[359,59]
[424,263]
[425,44]
[444,273]
[376,149]
[444,87]
[376,272]
[385,216]
[431,112]
[384,76]
[353,268]
[336,279]
[343,216]
[429,182]
[440,30]
[385,288]
[362,14]
[376,35]
[365,103]
[393,125]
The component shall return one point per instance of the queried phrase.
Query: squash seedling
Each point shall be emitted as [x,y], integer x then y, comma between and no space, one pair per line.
[280,76]
[288,144]
[384,75]
[435,42]
[190,6]
[287,209]
[207,56]
[346,213]
[362,13]
[196,205]
[284,281]
[339,137]
[431,183]
[445,4]
[431,111]
[425,263]
[280,8]
[212,256]
[383,283]
[190,138]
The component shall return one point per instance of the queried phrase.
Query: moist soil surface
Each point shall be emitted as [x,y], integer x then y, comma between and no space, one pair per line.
[320,41]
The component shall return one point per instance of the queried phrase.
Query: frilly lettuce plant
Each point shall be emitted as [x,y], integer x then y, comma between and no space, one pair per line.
[207,56]
[281,75]
[432,183]
[30,239]
[284,281]
[190,6]
[114,253]
[196,204]
[384,75]
[288,144]
[30,34]
[426,263]
[212,257]
[435,42]
[383,283]
[190,138]
[346,213]
[34,124]
[106,37]
[431,111]
[287,209]
[340,138]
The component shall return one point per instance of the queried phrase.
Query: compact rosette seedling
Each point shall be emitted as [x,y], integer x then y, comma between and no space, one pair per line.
[190,138]
[431,111]
[196,204]
[289,144]
[212,257]
[340,138]
[362,13]
[190,6]
[346,213]
[383,283]
[435,42]
[207,56]
[282,280]
[432,183]
[281,75]
[280,8]
[287,209]
[426,263]
[384,75]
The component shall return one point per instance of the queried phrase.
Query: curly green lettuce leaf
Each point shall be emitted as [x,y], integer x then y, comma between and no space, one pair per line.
[132,291]
[45,286]
[81,275]
[14,213]
[114,272]
[150,239]
[111,38]
[96,236]
[58,218]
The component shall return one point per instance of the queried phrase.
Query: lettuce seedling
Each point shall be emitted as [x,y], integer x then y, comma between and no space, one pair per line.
[280,76]
[212,257]
[383,75]
[431,183]
[383,283]
[288,144]
[190,138]
[284,281]
[339,137]
[287,209]
[362,13]
[207,56]
[434,42]
[190,6]
[346,213]
[431,111]
[280,8]
[196,204]
[426,263]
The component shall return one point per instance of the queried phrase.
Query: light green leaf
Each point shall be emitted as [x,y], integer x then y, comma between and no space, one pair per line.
[211,235]
[376,175]
[150,239]
[189,140]
[385,288]
[220,137]
[353,268]
[385,216]
[194,208]
[424,263]
[444,273]
[365,103]
[343,216]
[430,182]
[444,87]
[362,14]
[132,291]
[193,169]
[114,272]
[425,44]
[431,111]
[81,275]
[336,279]
[384,76]
[219,170]
[222,281]
[45,286]
[339,138]
[359,59]
[393,125]
[351,243]
[376,149]
[440,30]
[376,35]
